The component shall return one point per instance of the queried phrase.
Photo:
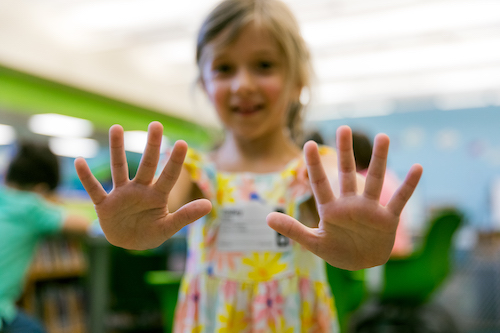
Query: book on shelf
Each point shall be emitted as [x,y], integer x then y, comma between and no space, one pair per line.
[62,309]
[54,289]
[58,258]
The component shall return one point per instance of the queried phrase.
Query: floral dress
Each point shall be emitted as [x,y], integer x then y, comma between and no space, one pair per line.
[241,275]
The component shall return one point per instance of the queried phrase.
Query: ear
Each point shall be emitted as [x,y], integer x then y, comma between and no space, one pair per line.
[201,82]
[296,92]
[302,92]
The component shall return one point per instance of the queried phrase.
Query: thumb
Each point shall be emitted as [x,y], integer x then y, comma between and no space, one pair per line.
[293,229]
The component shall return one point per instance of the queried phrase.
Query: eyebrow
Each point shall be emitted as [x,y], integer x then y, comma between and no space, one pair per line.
[267,52]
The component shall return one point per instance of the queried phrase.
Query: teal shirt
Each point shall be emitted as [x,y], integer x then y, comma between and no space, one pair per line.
[25,218]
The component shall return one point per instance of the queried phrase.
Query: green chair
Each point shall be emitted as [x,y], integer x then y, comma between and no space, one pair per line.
[408,281]
[349,291]
[412,280]
[167,286]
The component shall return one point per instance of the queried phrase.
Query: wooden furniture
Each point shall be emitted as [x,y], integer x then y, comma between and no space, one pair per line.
[54,290]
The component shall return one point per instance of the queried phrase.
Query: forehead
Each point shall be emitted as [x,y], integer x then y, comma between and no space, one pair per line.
[251,39]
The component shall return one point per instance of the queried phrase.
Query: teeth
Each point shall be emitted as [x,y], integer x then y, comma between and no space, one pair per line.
[246,109]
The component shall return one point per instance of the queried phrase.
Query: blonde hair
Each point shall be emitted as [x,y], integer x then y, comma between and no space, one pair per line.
[231,16]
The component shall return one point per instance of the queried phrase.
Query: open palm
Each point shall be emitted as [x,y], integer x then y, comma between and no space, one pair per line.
[355,231]
[134,215]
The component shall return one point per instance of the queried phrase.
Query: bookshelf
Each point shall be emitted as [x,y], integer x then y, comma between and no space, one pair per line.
[55,290]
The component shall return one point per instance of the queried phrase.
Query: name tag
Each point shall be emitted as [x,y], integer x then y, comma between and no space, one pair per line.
[243,227]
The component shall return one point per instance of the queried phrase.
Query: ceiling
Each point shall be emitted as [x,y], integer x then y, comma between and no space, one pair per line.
[366,53]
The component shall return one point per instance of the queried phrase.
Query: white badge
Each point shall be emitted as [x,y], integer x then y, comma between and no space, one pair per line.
[243,227]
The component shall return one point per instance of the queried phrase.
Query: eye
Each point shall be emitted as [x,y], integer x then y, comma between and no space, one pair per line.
[222,69]
[265,65]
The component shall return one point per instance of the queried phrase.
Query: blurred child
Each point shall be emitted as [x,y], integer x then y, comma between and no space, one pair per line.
[241,275]
[26,216]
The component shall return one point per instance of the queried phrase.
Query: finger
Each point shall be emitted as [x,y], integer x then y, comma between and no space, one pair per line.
[90,183]
[172,169]
[377,167]
[149,161]
[404,192]
[119,166]
[189,213]
[317,176]
[293,229]
[347,165]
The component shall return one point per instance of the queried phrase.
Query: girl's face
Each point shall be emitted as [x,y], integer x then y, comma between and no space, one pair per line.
[245,82]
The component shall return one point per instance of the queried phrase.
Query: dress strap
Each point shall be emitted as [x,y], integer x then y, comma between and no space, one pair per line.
[298,177]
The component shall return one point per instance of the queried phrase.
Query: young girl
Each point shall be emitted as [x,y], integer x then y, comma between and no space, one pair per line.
[243,276]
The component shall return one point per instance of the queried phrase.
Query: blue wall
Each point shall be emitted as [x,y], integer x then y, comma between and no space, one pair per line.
[459,150]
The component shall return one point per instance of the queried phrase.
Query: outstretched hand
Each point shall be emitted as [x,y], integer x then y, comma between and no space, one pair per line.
[134,215]
[355,231]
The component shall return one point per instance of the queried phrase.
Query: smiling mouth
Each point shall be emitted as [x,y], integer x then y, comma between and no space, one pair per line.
[247,110]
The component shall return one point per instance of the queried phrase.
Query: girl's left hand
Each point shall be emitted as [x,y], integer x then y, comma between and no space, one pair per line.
[355,231]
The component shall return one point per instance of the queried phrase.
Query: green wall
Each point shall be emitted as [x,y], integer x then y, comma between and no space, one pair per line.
[22,92]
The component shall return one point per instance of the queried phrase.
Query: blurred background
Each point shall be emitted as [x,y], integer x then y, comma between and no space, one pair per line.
[427,73]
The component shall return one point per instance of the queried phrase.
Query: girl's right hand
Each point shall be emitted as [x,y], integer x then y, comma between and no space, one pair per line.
[134,215]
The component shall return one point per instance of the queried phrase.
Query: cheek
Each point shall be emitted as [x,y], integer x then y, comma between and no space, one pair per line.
[218,96]
[214,92]
[274,88]
[211,86]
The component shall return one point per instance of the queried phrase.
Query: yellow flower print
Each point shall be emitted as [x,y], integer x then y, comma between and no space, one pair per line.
[281,328]
[249,287]
[192,161]
[325,150]
[224,190]
[264,266]
[308,321]
[304,264]
[290,209]
[184,285]
[276,194]
[289,172]
[319,289]
[323,296]
[197,329]
[234,322]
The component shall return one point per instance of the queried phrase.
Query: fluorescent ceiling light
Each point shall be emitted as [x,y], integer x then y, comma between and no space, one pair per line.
[58,125]
[126,14]
[7,134]
[168,59]
[429,17]
[116,14]
[172,52]
[74,147]
[424,84]
[135,141]
[411,59]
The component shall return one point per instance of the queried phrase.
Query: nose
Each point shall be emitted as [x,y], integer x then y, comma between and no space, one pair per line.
[243,82]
